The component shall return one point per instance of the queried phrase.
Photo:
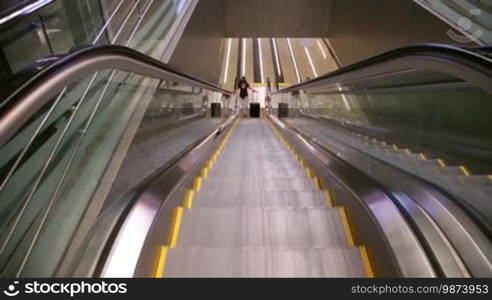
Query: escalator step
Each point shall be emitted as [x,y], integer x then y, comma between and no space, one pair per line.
[235,186]
[255,171]
[476,181]
[232,162]
[254,227]
[439,171]
[262,199]
[264,262]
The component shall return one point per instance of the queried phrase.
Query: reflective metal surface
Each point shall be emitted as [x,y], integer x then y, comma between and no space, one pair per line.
[126,249]
[407,249]
[50,81]
[459,63]
[461,233]
[241,239]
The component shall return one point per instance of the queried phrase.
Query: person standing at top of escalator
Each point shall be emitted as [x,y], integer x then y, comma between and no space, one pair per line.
[268,98]
[243,87]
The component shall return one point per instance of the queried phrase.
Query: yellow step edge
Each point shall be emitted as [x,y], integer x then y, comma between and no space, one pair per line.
[290,148]
[310,173]
[189,197]
[490,177]
[394,146]
[330,197]
[161,262]
[214,157]
[407,151]
[176,226]
[423,156]
[303,163]
[319,182]
[197,185]
[346,226]
[366,262]
[465,171]
[442,162]
[204,173]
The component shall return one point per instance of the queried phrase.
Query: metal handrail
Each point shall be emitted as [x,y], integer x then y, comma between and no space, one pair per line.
[40,90]
[28,199]
[25,102]
[459,62]
[62,93]
[19,11]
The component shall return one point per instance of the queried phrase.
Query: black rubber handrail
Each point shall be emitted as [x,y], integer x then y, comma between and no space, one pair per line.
[18,11]
[21,105]
[453,55]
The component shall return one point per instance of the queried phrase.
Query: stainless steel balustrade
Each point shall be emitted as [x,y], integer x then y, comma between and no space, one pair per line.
[40,91]
[134,65]
[62,93]
[58,144]
[413,119]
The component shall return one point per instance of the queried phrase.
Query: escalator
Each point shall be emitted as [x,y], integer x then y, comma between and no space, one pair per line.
[177,193]
[259,214]
[112,164]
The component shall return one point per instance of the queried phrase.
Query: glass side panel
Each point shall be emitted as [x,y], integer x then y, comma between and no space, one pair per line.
[441,133]
[39,39]
[177,117]
[472,18]
[48,182]
[63,161]
[55,29]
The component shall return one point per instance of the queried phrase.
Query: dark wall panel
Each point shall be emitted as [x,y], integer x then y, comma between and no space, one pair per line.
[200,49]
[360,28]
[277,18]
[357,29]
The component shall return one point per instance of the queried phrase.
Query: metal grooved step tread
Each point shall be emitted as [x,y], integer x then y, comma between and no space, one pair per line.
[251,171]
[272,172]
[264,262]
[258,214]
[235,185]
[473,190]
[261,199]
[278,227]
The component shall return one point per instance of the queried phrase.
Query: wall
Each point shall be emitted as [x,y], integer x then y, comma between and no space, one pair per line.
[277,18]
[360,28]
[200,49]
[357,29]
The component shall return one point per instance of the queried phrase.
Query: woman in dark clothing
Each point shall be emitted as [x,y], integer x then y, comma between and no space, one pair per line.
[243,87]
